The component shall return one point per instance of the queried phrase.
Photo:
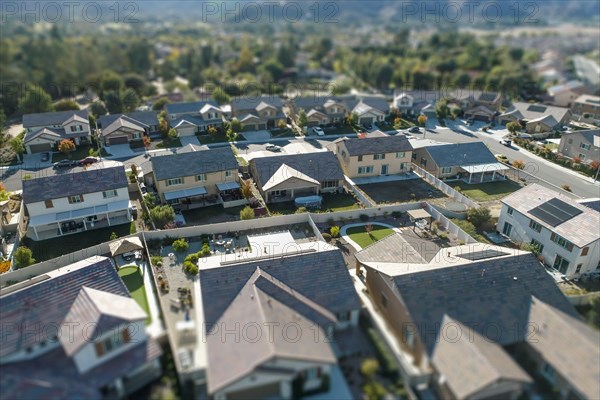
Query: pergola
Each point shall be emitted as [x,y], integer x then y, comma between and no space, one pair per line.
[419,214]
[482,169]
[126,245]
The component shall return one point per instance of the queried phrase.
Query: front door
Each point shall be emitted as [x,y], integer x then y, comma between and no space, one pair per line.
[561,264]
[384,169]
[507,229]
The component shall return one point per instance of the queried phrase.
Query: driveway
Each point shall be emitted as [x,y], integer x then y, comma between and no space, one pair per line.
[256,135]
[185,140]
[34,161]
[120,151]
[298,147]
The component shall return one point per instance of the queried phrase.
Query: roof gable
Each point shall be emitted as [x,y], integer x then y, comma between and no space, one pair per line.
[459,154]
[51,118]
[320,166]
[194,163]
[284,174]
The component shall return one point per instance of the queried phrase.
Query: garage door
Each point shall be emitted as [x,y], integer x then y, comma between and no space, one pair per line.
[39,148]
[481,118]
[312,123]
[117,140]
[366,120]
[262,127]
[250,127]
[271,390]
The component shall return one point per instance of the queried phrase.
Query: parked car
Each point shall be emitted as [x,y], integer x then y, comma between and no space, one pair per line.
[502,158]
[272,147]
[414,129]
[368,126]
[64,164]
[134,211]
[506,142]
[143,188]
[45,157]
[89,160]
[318,130]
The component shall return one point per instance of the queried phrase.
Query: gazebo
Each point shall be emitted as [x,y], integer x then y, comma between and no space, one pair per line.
[126,245]
[419,214]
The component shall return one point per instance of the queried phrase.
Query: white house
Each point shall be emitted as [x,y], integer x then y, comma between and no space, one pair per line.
[191,118]
[567,233]
[61,202]
[45,130]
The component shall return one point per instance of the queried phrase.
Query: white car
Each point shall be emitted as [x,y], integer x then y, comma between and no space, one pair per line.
[318,130]
[272,147]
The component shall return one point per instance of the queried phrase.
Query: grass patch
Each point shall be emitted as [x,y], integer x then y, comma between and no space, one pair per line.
[339,202]
[220,137]
[489,191]
[469,228]
[280,133]
[363,239]
[79,153]
[55,247]
[212,214]
[169,143]
[135,284]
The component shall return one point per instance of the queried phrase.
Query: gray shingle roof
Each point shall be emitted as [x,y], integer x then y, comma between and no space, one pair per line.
[194,163]
[394,249]
[51,118]
[591,136]
[480,295]
[72,182]
[457,154]
[145,117]
[321,166]
[376,145]
[184,108]
[250,103]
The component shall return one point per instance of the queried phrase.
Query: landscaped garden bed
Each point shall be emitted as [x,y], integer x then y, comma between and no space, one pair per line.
[363,237]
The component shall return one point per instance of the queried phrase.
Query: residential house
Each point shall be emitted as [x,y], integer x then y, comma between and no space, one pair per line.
[123,130]
[584,145]
[86,336]
[320,110]
[286,177]
[44,131]
[311,291]
[147,118]
[374,156]
[586,106]
[564,94]
[481,321]
[196,117]
[564,231]
[539,119]
[80,199]
[470,161]
[478,105]
[196,178]
[411,102]
[257,113]
[369,109]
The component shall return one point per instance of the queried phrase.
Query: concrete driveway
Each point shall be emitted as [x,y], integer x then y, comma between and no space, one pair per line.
[185,140]
[256,135]
[298,147]
[34,161]
[120,151]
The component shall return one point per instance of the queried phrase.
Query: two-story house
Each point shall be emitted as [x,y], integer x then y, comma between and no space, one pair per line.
[320,110]
[565,232]
[258,113]
[539,119]
[75,332]
[196,178]
[584,145]
[268,298]
[128,127]
[195,117]
[479,321]
[411,102]
[64,202]
[374,156]
[480,106]
[284,178]
[369,109]
[586,106]
[44,131]
[564,94]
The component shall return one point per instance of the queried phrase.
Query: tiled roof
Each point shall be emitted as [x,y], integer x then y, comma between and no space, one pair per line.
[73,182]
[321,166]
[376,145]
[470,363]
[458,154]
[123,122]
[194,163]
[51,118]
[495,292]
[147,118]
[581,230]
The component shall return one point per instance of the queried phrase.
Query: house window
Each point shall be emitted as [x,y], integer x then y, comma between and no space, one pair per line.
[329,184]
[584,251]
[423,162]
[548,372]
[135,135]
[581,156]
[561,241]
[343,316]
[313,373]
[365,170]
[201,178]
[384,300]
[535,226]
[112,342]
[48,203]
[228,174]
[578,268]
[174,181]
[585,146]
[414,156]
[409,335]
[379,157]
[510,211]
[401,154]
[561,264]
[507,229]
[538,245]
[107,194]
[76,199]
[360,158]
[446,170]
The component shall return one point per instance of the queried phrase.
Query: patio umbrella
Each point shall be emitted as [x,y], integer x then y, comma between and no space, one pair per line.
[126,245]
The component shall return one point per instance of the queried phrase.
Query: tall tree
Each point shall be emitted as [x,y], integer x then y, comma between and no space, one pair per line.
[66,105]
[36,100]
[220,96]
[130,100]
[114,102]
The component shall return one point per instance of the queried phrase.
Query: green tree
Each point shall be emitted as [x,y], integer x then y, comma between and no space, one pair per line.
[130,100]
[180,245]
[247,213]
[66,146]
[98,109]
[246,189]
[66,105]
[172,134]
[513,127]
[231,135]
[135,82]
[150,200]
[441,108]
[245,62]
[3,135]
[36,100]
[160,103]
[335,231]
[23,257]
[113,236]
[114,102]
[111,82]
[16,144]
[479,216]
[302,119]
[236,125]
[220,96]
[163,126]
[162,215]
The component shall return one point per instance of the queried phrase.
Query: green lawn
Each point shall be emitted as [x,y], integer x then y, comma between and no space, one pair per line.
[169,144]
[363,239]
[218,138]
[211,215]
[332,202]
[279,133]
[135,284]
[79,153]
[489,191]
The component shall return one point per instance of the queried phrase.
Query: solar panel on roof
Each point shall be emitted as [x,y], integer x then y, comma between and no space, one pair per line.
[482,255]
[538,109]
[555,211]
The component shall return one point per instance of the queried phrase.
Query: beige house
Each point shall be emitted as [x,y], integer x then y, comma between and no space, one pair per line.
[196,179]
[564,94]
[584,145]
[374,156]
[45,130]
[539,119]
[123,130]
[257,113]
[587,106]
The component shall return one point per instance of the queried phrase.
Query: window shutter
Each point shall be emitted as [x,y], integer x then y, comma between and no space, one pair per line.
[81,198]
[585,250]
[70,200]
[126,336]
[570,246]
[553,237]
[99,349]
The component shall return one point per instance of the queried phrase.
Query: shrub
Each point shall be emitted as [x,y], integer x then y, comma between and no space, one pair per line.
[327,237]
[4,266]
[364,217]
[566,187]
[114,236]
[190,268]
[479,216]
[156,261]
[335,231]
[180,245]
[205,250]
[301,210]
[458,189]
[519,164]
[192,258]
[132,228]
[162,215]
[443,236]
[396,214]
[23,257]
[247,213]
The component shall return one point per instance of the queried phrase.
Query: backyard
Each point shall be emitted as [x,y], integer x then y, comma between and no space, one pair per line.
[489,191]
[401,191]
[211,215]
[361,237]
[133,280]
[280,133]
[333,202]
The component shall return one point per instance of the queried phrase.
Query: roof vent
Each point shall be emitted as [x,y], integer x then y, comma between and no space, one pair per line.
[252,297]
[483,272]
[515,278]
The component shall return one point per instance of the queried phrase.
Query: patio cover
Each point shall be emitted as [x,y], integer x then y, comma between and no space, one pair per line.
[180,194]
[126,245]
[46,219]
[224,186]
[418,214]
[474,169]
